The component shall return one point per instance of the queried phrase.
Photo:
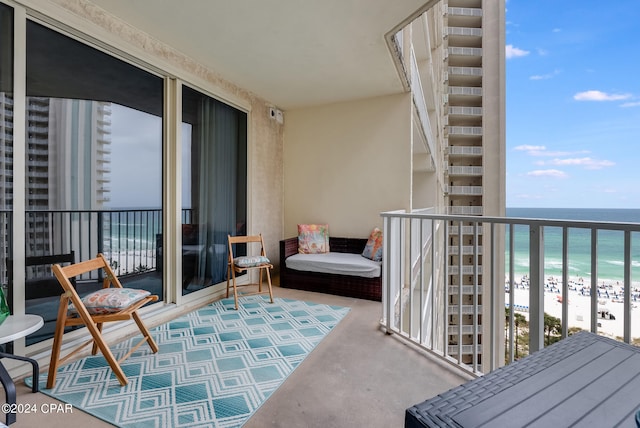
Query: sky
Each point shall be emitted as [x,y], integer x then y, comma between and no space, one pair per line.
[573,103]
[136,147]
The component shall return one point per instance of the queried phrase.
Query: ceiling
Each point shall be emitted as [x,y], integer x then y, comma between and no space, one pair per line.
[292,53]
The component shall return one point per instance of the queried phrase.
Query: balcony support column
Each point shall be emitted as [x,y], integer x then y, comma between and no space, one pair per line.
[627,286]
[536,288]
[594,280]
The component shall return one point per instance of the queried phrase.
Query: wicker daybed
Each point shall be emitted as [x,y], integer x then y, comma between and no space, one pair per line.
[342,285]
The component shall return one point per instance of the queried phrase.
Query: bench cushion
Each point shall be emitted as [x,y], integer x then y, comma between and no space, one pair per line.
[335,263]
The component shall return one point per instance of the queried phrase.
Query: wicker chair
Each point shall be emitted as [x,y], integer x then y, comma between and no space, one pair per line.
[341,285]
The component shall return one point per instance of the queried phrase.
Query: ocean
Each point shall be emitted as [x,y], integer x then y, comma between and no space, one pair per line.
[610,243]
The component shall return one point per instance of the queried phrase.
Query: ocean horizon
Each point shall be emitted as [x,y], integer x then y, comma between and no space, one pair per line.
[621,215]
[610,243]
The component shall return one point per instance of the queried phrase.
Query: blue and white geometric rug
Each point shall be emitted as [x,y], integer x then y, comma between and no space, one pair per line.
[215,367]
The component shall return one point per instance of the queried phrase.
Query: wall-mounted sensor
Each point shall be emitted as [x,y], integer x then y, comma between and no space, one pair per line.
[276,114]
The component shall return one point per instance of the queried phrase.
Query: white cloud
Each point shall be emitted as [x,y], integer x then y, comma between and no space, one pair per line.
[586,162]
[545,76]
[529,148]
[542,151]
[513,52]
[555,173]
[631,104]
[541,77]
[599,96]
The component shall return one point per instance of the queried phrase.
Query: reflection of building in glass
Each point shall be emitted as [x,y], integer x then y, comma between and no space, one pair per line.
[68,163]
[6,152]
[6,176]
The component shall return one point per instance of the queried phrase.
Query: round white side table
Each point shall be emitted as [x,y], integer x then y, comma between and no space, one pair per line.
[14,327]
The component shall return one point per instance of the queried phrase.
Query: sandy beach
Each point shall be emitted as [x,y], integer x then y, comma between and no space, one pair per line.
[579,305]
[125,262]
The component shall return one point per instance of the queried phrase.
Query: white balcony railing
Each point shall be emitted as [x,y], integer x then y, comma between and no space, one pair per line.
[454,306]
[466,111]
[465,210]
[465,190]
[466,230]
[465,150]
[466,270]
[464,170]
[465,90]
[473,131]
[464,31]
[462,51]
[464,11]
[465,71]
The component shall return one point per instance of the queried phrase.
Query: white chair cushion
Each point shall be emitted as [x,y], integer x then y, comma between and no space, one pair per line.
[250,261]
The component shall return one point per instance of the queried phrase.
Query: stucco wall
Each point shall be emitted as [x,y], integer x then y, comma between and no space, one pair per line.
[266,179]
[346,163]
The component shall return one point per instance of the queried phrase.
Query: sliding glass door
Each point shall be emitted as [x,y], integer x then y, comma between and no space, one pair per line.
[93,163]
[6,144]
[93,169]
[214,138]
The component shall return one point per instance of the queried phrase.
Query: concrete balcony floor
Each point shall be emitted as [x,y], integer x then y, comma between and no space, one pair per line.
[357,376]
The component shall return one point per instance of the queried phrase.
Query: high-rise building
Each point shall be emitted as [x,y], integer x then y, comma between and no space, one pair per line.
[454,60]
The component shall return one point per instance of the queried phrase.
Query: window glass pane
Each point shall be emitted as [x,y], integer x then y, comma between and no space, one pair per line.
[94,164]
[6,146]
[214,138]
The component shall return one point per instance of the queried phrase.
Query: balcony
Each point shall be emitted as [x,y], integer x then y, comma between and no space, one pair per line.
[357,376]
[465,76]
[464,11]
[363,367]
[465,190]
[465,111]
[465,95]
[465,131]
[464,150]
[464,250]
[465,56]
[464,32]
[466,270]
[465,170]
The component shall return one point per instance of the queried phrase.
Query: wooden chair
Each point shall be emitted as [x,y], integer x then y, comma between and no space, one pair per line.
[243,264]
[93,311]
